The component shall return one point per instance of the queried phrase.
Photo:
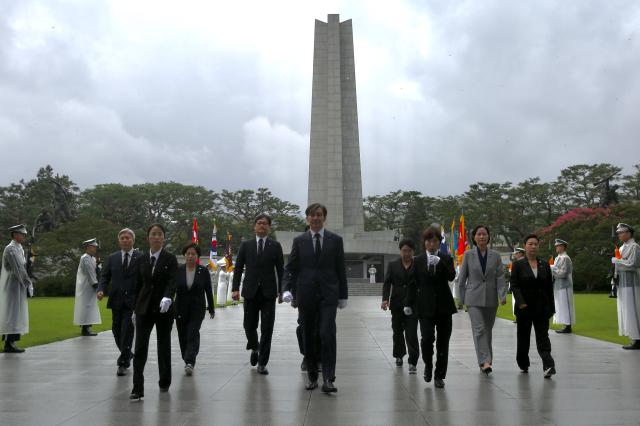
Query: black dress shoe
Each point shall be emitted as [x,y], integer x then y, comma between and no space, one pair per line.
[86,331]
[565,330]
[487,370]
[311,385]
[121,371]
[524,370]
[303,365]
[439,383]
[633,346]
[428,373]
[136,396]
[254,358]
[549,372]
[399,362]
[262,370]
[164,388]
[328,387]
[12,348]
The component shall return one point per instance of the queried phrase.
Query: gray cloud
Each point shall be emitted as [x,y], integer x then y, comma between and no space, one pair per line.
[448,93]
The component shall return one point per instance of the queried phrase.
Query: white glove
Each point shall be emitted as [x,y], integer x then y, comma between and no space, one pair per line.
[165,304]
[133,318]
[433,259]
[408,311]
[342,303]
[287,297]
[30,290]
[614,260]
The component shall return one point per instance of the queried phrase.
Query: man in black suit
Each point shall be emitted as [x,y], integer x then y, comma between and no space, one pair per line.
[120,271]
[155,290]
[398,278]
[262,262]
[317,272]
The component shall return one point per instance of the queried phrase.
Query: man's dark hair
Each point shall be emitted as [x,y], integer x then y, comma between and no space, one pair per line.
[314,207]
[156,225]
[430,233]
[192,245]
[475,230]
[407,242]
[262,216]
[530,236]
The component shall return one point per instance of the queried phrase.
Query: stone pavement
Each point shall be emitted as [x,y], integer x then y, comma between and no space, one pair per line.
[74,383]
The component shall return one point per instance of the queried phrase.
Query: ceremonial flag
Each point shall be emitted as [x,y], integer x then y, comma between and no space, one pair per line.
[617,253]
[453,238]
[194,232]
[510,266]
[213,253]
[194,236]
[552,261]
[462,238]
[228,256]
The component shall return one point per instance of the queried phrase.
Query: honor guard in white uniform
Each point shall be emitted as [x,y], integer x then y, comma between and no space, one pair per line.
[628,271]
[562,270]
[224,283]
[372,274]
[86,311]
[15,287]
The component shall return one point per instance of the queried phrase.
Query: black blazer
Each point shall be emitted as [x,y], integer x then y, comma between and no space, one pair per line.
[314,280]
[152,287]
[536,293]
[191,300]
[396,281]
[122,294]
[429,295]
[265,271]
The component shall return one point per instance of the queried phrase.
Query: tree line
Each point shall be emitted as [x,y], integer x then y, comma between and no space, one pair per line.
[60,215]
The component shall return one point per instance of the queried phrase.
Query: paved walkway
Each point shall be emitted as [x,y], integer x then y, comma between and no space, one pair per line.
[74,382]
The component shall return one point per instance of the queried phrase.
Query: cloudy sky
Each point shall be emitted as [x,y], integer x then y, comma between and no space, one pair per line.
[219,93]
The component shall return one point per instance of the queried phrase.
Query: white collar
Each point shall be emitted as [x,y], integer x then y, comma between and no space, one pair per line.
[264,239]
[122,252]
[156,254]
[321,232]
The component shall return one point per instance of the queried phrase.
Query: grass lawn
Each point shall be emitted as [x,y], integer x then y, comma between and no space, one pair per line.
[596,317]
[51,319]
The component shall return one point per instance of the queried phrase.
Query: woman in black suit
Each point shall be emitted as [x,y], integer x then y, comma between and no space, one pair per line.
[193,283]
[532,286]
[429,293]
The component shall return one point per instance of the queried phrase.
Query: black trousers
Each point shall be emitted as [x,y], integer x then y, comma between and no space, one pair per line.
[144,325]
[259,308]
[429,326]
[123,330]
[405,335]
[300,336]
[543,344]
[321,319]
[188,325]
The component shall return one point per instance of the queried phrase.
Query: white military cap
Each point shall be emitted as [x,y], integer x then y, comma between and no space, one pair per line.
[623,227]
[91,242]
[518,250]
[560,242]
[18,228]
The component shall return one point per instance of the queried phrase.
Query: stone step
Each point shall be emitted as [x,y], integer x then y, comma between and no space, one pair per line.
[365,289]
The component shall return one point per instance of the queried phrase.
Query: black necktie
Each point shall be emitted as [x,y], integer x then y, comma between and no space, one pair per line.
[153,263]
[260,247]
[318,246]
[125,264]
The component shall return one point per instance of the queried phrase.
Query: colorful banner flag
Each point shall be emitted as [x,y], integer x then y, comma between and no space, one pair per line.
[552,261]
[462,239]
[194,236]
[228,256]
[213,253]
[617,254]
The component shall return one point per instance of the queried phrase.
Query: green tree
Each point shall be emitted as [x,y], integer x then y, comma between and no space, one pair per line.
[579,183]
[631,185]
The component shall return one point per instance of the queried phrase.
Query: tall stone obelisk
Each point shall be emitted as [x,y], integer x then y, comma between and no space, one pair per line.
[334,155]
